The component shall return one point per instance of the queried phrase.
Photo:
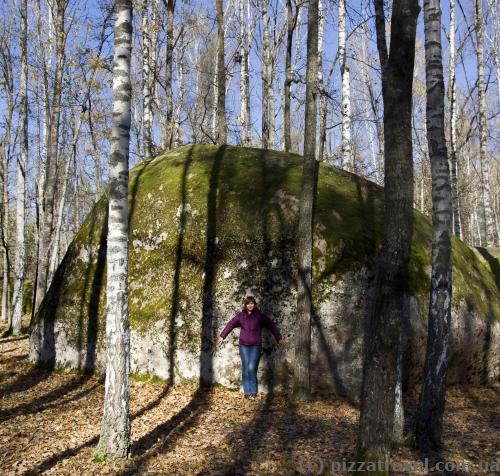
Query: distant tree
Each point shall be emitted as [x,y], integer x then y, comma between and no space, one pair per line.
[39,341]
[221,76]
[20,253]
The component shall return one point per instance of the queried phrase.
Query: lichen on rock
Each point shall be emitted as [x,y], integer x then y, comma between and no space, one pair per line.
[209,225]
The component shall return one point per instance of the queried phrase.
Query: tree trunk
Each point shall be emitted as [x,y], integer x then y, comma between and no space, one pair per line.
[54,259]
[266,79]
[168,134]
[291,23]
[21,177]
[429,421]
[385,315]
[346,98]
[490,232]
[301,383]
[248,131]
[221,76]
[41,349]
[147,109]
[243,76]
[114,442]
[321,87]
[452,97]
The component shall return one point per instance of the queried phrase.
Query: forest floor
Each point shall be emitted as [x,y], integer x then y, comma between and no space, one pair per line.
[50,422]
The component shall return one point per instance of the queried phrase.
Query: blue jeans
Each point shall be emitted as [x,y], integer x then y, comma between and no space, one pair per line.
[250,356]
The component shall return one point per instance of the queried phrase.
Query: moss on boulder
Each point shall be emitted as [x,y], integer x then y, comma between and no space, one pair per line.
[211,224]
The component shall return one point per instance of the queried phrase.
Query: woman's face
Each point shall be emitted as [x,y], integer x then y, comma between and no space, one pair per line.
[250,306]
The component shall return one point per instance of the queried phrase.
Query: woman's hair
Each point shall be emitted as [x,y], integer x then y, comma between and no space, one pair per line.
[249,299]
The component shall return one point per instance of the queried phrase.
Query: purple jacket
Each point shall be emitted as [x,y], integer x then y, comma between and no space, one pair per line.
[251,327]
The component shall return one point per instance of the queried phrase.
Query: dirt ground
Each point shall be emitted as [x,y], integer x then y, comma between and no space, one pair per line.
[50,422]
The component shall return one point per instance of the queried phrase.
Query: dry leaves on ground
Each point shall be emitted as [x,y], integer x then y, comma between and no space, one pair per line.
[49,424]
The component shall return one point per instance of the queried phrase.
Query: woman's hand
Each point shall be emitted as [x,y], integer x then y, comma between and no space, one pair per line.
[219,342]
[282,342]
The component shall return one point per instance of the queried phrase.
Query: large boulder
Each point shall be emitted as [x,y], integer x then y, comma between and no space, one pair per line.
[209,225]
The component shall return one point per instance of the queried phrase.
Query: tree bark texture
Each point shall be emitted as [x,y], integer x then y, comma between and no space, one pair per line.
[385,315]
[41,341]
[221,76]
[301,382]
[114,442]
[429,421]
[20,252]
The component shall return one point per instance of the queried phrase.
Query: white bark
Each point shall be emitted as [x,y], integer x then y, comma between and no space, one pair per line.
[19,267]
[491,237]
[54,257]
[221,75]
[41,342]
[244,76]
[429,421]
[147,112]
[346,100]
[267,94]
[452,96]
[182,93]
[322,98]
[114,441]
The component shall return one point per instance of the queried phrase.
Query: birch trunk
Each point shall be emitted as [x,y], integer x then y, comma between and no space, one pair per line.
[41,340]
[243,76]
[377,156]
[169,106]
[490,232]
[429,421]
[248,131]
[452,97]
[301,380]
[321,88]
[385,315]
[182,92]
[21,182]
[290,22]
[266,79]
[146,82]
[114,442]
[221,76]
[54,259]
[346,100]
[5,250]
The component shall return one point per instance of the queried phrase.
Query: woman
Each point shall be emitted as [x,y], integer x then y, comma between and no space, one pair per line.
[251,320]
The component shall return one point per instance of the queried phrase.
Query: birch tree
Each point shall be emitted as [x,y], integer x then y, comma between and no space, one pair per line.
[147,53]
[429,421]
[301,381]
[244,76]
[40,342]
[7,81]
[382,341]
[21,175]
[291,22]
[114,442]
[221,76]
[489,224]
[266,80]
[321,89]
[346,98]
[169,106]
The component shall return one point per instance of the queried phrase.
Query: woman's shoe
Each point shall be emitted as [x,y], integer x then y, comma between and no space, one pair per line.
[253,396]
[247,396]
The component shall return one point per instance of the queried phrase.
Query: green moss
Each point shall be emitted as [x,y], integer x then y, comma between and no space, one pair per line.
[138,377]
[243,203]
